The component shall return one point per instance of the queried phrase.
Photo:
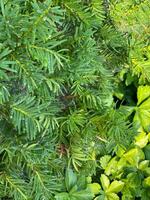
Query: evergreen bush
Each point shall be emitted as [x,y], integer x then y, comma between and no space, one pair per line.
[74,99]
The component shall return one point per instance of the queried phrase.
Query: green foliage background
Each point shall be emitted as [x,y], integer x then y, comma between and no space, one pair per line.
[74,99]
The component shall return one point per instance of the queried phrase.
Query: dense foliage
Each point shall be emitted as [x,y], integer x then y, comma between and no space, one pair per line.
[74,99]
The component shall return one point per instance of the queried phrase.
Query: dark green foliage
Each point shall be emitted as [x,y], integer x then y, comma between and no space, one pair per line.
[66,70]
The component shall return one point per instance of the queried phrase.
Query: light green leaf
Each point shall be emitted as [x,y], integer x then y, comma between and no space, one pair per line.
[113,196]
[147,171]
[120,151]
[142,115]
[121,163]
[143,93]
[111,167]
[145,105]
[149,137]
[134,155]
[115,187]
[141,139]
[147,181]
[105,181]
[144,164]
[94,187]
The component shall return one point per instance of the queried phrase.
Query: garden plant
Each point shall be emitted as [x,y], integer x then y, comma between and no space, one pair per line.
[74,99]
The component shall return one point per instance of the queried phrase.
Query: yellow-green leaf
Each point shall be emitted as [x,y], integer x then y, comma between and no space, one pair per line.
[111,167]
[144,164]
[112,196]
[141,139]
[134,155]
[94,187]
[143,93]
[115,187]
[105,181]
[149,137]
[146,181]
[120,151]
[121,163]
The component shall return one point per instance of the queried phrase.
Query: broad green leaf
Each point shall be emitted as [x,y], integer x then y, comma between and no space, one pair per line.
[142,115]
[82,195]
[141,139]
[104,181]
[143,93]
[145,105]
[134,179]
[62,196]
[140,129]
[147,171]
[144,164]
[70,179]
[119,151]
[111,167]
[149,137]
[94,187]
[146,181]
[121,164]
[115,187]
[134,155]
[112,196]
[142,118]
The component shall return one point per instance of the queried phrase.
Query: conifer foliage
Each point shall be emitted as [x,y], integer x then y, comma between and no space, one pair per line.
[66,68]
